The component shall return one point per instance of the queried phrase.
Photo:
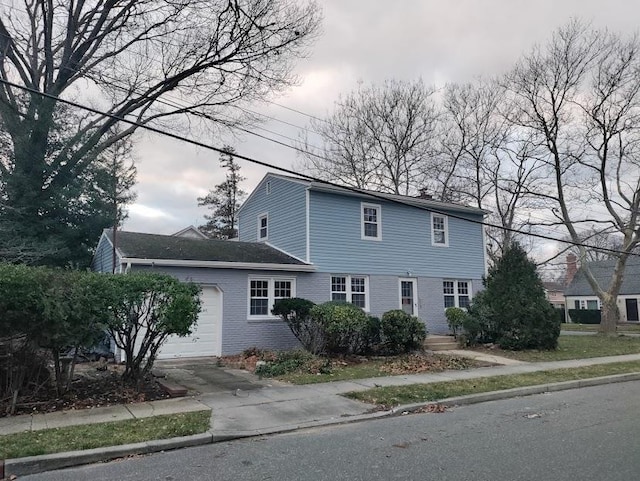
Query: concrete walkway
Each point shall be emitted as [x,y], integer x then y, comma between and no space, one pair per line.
[279,406]
[274,408]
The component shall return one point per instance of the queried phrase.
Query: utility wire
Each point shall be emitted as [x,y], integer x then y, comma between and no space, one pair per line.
[370,194]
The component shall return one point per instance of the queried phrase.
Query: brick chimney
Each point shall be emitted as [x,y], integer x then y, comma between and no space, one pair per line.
[572,268]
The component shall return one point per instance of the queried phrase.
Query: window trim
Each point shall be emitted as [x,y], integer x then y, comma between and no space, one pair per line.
[264,215]
[446,230]
[271,280]
[456,292]
[378,208]
[349,293]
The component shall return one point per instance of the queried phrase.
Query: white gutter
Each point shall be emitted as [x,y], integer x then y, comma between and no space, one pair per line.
[220,264]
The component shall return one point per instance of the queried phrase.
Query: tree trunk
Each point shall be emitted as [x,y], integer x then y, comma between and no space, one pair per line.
[610,314]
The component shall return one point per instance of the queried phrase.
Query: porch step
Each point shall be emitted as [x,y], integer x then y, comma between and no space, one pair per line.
[172,389]
[440,343]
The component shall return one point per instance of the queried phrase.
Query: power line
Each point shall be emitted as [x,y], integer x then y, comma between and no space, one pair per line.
[291,109]
[370,194]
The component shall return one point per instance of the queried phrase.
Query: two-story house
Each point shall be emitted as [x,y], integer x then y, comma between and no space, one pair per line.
[308,239]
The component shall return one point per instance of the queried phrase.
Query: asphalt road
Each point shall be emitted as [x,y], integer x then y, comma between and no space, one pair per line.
[584,434]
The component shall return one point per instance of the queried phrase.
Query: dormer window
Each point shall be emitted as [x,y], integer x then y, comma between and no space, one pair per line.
[371,221]
[263,227]
[439,230]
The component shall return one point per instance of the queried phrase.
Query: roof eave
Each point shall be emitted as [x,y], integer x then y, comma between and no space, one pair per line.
[409,201]
[220,264]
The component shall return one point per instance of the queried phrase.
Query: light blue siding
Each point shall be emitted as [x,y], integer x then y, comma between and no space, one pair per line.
[240,333]
[103,257]
[286,208]
[405,248]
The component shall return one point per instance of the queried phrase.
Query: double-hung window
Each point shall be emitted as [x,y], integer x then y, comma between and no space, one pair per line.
[353,289]
[371,221]
[456,293]
[439,230]
[263,227]
[265,291]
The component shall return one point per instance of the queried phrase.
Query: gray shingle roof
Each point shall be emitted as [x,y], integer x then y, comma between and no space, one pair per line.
[372,195]
[602,271]
[154,246]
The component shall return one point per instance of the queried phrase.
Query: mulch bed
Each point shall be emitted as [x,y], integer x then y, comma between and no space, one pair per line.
[90,388]
[393,365]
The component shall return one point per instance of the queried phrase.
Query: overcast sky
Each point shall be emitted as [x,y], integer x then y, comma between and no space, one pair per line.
[369,41]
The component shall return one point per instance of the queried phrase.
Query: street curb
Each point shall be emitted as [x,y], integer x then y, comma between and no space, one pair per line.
[518,392]
[49,462]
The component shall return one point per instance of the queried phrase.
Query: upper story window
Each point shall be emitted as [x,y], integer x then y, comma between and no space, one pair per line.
[263,226]
[439,230]
[353,289]
[265,291]
[456,293]
[371,221]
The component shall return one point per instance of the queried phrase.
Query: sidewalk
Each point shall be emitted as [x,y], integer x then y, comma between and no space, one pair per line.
[281,407]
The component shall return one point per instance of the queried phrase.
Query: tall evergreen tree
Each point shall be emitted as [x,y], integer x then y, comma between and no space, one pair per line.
[224,200]
[513,309]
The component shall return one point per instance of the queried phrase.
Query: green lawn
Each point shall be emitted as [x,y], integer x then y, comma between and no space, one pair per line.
[577,347]
[394,395]
[88,436]
[635,328]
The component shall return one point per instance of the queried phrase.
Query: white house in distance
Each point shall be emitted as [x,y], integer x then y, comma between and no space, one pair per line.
[579,294]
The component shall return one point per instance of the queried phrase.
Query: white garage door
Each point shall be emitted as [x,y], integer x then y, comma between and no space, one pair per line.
[205,339]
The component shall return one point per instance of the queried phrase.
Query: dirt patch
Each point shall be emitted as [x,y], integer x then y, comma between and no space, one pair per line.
[89,388]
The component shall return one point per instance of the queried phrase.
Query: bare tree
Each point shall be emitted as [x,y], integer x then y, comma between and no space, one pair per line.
[579,95]
[377,138]
[485,161]
[127,57]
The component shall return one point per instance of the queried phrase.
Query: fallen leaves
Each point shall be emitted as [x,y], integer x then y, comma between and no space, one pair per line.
[432,408]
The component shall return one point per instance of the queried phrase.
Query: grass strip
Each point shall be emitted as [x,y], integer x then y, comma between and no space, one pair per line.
[88,436]
[570,326]
[577,347]
[394,395]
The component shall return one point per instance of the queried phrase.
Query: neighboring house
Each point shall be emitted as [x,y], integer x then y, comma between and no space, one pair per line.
[191,232]
[306,239]
[555,293]
[579,295]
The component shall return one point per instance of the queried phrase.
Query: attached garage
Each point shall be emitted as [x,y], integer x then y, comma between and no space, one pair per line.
[206,339]
[223,269]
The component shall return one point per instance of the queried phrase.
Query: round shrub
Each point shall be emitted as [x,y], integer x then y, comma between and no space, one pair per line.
[285,362]
[401,332]
[455,318]
[345,326]
[295,312]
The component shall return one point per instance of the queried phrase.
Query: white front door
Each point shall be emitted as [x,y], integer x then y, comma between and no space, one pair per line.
[408,290]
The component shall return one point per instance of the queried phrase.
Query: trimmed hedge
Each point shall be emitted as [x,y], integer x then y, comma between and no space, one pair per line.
[585,316]
[345,326]
[401,332]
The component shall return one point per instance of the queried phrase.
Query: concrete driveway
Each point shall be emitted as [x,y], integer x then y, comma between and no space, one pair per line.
[204,376]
